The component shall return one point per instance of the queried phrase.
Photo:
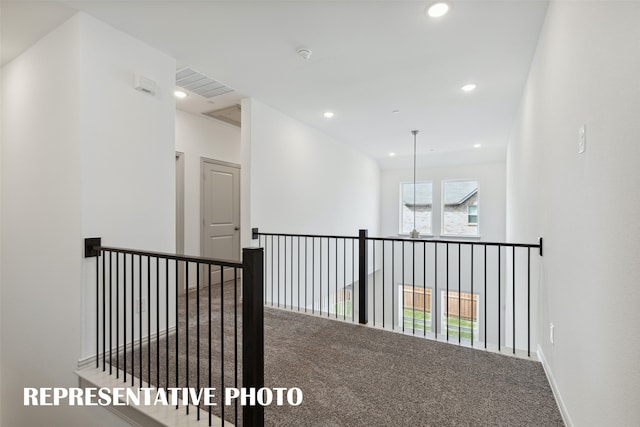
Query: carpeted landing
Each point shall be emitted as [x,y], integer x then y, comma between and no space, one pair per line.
[353,375]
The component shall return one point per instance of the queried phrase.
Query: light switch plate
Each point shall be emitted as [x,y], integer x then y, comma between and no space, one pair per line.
[582,139]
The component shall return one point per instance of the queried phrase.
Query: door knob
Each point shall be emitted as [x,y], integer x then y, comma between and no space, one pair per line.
[236,228]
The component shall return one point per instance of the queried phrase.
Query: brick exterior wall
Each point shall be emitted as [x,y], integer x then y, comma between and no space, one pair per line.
[423,219]
[455,219]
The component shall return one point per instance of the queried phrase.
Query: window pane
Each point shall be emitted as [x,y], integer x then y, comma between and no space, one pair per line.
[421,207]
[460,315]
[460,208]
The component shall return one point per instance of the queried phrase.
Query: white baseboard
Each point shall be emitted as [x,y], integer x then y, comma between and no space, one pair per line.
[141,415]
[554,388]
[90,361]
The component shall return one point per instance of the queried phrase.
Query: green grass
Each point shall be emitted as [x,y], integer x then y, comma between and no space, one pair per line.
[419,318]
[342,308]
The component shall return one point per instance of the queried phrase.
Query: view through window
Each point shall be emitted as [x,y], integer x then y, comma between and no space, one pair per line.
[460,215]
[421,207]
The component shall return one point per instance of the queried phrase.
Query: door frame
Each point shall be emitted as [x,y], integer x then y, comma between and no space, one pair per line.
[203,161]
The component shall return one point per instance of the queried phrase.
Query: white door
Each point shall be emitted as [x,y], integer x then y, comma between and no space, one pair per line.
[220,203]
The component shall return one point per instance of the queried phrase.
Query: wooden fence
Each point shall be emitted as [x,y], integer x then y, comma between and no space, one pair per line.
[462,304]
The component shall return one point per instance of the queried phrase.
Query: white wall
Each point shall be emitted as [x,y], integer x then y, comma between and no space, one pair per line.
[302,180]
[83,154]
[491,202]
[585,205]
[1,116]
[199,137]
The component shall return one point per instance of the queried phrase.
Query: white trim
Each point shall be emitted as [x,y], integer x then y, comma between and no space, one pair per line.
[554,388]
[148,416]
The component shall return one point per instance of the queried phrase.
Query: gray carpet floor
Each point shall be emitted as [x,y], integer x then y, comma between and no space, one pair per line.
[353,375]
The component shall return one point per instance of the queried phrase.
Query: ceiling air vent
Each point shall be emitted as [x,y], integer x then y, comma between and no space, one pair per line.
[229,114]
[200,84]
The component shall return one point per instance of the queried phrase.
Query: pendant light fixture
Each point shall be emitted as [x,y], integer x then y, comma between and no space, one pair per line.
[415,234]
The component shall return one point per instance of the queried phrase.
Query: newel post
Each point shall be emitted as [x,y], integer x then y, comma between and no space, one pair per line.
[252,330]
[363,275]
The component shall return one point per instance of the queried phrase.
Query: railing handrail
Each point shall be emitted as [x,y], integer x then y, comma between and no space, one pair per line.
[316,236]
[176,257]
[456,242]
[256,233]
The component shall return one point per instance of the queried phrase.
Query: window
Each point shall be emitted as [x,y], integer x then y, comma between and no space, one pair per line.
[460,316]
[460,215]
[416,309]
[420,209]
[472,215]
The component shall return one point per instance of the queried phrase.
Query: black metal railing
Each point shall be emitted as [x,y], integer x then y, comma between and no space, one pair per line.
[471,292]
[147,332]
[311,273]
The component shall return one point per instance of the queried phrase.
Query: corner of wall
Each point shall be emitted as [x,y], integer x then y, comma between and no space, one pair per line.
[554,388]
[245,172]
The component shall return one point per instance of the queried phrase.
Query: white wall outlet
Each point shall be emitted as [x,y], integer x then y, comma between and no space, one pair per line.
[551,333]
[582,139]
[141,305]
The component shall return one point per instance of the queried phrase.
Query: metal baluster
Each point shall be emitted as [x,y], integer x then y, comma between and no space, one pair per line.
[499,286]
[447,315]
[513,295]
[459,293]
[222,335]
[373,242]
[529,302]
[424,290]
[110,315]
[436,297]
[473,300]
[177,320]
[133,321]
[148,320]
[157,322]
[186,319]
[413,301]
[124,315]
[117,315]
[485,297]
[402,290]
[198,332]
[393,285]
[284,255]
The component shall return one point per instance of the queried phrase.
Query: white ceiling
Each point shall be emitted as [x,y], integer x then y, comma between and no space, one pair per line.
[369,58]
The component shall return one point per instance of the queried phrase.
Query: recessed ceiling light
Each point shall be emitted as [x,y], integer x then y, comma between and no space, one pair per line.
[180,94]
[438,10]
[396,111]
[328,114]
[477,145]
[468,87]
[392,154]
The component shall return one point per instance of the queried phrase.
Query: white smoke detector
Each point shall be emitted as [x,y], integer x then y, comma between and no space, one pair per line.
[304,53]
